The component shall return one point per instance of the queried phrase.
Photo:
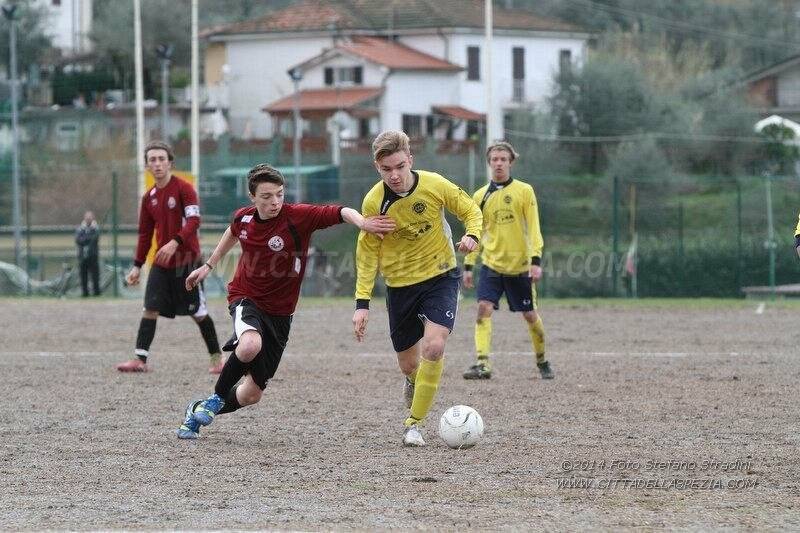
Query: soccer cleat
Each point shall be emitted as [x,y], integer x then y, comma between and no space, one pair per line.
[412,436]
[408,392]
[217,362]
[133,365]
[478,371]
[190,429]
[545,370]
[205,412]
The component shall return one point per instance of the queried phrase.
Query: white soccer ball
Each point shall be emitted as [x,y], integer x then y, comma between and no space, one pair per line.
[461,427]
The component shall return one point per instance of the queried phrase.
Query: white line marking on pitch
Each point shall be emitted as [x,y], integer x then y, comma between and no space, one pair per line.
[760,308]
[663,354]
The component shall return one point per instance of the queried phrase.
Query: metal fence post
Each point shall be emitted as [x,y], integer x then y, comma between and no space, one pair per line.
[115,233]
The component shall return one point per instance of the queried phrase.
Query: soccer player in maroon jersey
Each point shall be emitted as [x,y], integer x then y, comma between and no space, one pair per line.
[262,296]
[171,209]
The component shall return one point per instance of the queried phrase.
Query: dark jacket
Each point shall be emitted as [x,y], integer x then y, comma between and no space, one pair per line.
[87,237]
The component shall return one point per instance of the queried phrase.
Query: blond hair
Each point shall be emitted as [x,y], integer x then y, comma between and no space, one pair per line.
[502,145]
[390,142]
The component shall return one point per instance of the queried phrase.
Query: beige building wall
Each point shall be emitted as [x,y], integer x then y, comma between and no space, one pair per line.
[216,56]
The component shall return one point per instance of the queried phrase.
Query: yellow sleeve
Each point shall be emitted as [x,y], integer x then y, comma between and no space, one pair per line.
[368,251]
[471,258]
[797,229]
[464,207]
[535,240]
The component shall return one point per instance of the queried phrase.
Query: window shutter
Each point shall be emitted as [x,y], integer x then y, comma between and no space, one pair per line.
[328,76]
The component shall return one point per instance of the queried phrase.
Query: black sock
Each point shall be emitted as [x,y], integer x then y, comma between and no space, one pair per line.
[209,333]
[231,373]
[231,403]
[147,330]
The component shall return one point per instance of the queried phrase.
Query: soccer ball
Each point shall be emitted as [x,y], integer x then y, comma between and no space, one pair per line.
[461,427]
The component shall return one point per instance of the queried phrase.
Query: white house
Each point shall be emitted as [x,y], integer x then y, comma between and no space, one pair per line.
[69,24]
[415,65]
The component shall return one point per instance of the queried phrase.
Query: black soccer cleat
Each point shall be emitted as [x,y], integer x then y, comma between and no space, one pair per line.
[478,371]
[545,370]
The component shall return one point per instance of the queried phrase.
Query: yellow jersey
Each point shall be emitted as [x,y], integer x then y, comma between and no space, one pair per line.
[421,246]
[512,238]
[797,229]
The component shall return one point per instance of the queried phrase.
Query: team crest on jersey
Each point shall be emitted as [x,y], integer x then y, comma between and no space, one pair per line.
[419,207]
[504,216]
[507,198]
[171,203]
[154,201]
[243,234]
[275,244]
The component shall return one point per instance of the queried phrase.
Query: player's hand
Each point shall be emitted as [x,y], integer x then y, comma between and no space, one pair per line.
[378,225]
[197,275]
[466,278]
[467,244]
[165,253]
[360,318]
[133,276]
[536,273]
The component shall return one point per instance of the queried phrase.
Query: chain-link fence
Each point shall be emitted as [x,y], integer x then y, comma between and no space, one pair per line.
[640,231]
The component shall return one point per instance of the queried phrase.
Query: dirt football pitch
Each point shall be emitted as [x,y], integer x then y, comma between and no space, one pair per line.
[662,415]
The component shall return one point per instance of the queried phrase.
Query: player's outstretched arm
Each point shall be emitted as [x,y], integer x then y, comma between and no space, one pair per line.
[377,225]
[224,246]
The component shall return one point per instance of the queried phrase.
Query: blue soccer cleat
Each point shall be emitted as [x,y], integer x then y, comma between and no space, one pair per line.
[205,412]
[190,429]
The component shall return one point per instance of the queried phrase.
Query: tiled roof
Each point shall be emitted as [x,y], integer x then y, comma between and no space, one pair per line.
[325,100]
[380,16]
[459,112]
[394,55]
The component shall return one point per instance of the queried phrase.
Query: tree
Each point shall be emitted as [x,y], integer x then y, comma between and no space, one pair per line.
[33,45]
[162,21]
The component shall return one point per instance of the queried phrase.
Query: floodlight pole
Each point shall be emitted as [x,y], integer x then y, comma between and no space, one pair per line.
[297,75]
[8,12]
[195,118]
[138,67]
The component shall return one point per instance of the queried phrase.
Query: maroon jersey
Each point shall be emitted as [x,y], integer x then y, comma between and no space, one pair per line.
[274,254]
[173,212]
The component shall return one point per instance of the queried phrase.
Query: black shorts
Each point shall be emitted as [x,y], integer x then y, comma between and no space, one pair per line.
[166,293]
[274,331]
[434,299]
[518,288]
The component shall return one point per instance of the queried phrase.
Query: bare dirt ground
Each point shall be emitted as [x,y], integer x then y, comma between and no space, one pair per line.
[84,447]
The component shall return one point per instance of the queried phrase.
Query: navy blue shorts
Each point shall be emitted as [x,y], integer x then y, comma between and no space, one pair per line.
[520,291]
[434,299]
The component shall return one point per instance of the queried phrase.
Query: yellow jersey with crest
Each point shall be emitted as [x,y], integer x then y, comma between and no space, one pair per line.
[421,246]
[511,233]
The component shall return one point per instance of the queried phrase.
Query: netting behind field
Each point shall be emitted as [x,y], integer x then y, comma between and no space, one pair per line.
[696,234]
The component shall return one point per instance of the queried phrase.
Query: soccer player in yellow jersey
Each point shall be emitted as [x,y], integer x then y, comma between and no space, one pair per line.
[418,262]
[511,253]
[797,237]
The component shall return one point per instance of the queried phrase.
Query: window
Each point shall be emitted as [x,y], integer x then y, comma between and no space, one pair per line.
[473,63]
[364,131]
[412,125]
[430,125]
[344,76]
[518,73]
[564,61]
[518,60]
